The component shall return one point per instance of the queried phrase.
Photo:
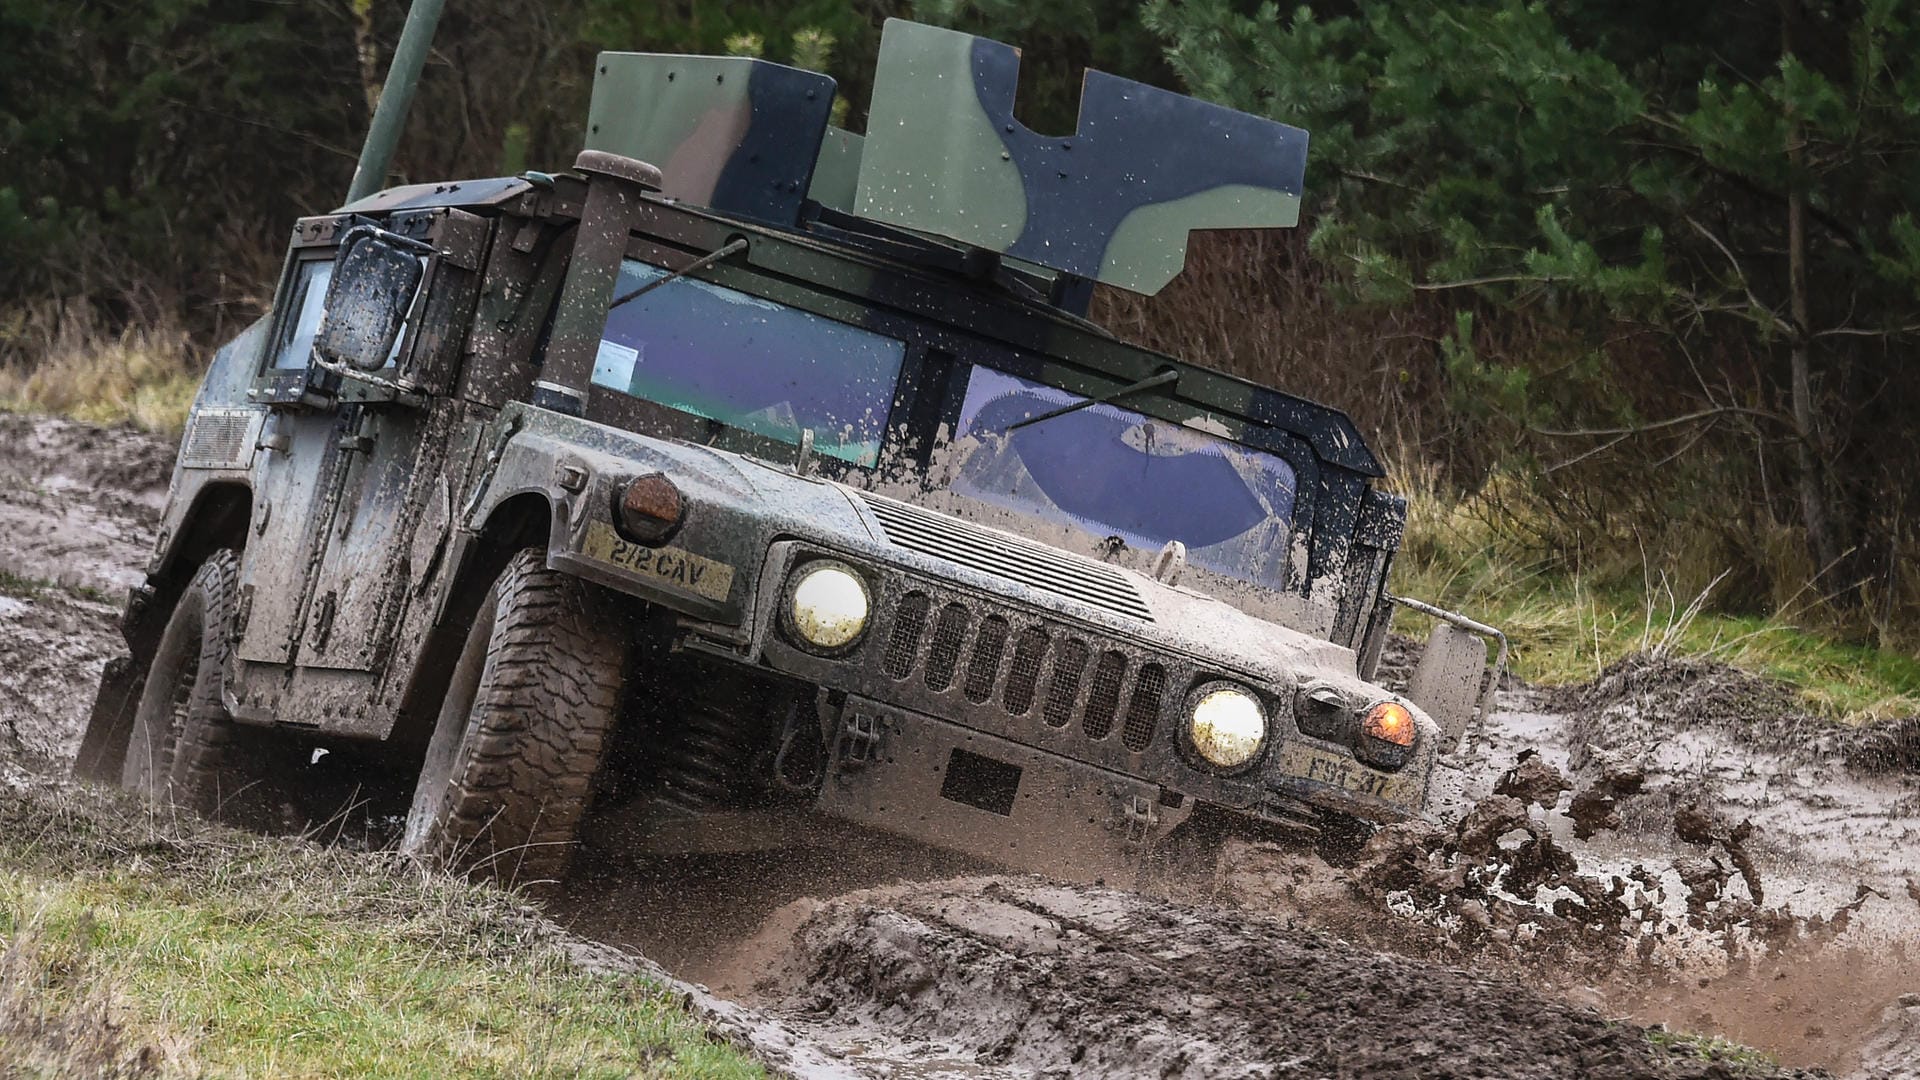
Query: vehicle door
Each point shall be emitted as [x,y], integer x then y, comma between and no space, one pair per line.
[355,442]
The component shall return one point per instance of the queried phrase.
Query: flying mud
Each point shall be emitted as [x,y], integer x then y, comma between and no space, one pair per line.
[1626,878]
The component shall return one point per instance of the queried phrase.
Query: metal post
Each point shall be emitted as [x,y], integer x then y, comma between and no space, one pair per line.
[390,116]
[614,184]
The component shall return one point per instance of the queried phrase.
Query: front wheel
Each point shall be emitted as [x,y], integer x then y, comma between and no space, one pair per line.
[509,772]
[185,750]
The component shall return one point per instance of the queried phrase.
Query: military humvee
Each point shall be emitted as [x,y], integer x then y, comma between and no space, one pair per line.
[755,474]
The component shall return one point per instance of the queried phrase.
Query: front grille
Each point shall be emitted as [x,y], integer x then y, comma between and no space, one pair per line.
[1006,555]
[967,648]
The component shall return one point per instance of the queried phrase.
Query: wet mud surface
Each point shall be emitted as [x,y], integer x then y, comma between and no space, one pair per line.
[1616,875]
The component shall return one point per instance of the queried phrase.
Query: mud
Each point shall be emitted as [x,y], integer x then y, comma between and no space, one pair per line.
[79,504]
[1673,845]
[1026,977]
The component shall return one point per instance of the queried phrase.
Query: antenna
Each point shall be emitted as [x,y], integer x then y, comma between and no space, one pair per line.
[390,115]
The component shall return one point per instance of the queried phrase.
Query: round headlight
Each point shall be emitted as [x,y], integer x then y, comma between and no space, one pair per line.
[1228,726]
[829,606]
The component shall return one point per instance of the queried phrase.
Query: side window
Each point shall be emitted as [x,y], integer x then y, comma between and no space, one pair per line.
[306,303]
[751,364]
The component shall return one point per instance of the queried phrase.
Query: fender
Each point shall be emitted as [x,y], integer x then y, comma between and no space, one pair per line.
[216,518]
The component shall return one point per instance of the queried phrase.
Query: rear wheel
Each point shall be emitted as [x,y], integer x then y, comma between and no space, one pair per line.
[185,750]
[509,772]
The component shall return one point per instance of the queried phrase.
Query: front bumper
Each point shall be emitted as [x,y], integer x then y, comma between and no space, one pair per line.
[943,784]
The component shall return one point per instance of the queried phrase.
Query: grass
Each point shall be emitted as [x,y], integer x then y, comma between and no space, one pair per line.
[12,584]
[131,946]
[143,376]
[1567,626]
[1740,1060]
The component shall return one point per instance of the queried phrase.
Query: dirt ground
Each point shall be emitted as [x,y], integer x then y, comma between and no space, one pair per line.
[1618,876]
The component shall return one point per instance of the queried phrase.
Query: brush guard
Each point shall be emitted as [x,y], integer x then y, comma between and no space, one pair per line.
[1453,682]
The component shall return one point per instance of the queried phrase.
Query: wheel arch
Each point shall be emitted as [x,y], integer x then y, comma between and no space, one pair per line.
[217,518]
[524,519]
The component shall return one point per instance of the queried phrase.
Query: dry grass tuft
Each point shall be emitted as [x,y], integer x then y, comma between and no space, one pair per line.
[68,364]
[135,941]
[56,1013]
[1570,615]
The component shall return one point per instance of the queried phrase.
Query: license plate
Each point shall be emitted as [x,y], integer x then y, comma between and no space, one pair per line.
[1344,773]
[675,569]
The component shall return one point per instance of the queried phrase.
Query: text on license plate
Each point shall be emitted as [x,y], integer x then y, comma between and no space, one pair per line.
[1341,772]
[673,568]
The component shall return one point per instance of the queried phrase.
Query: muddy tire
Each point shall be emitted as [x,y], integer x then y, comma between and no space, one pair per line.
[509,772]
[185,751]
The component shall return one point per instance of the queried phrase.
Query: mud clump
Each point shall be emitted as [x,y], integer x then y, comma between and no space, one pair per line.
[116,459]
[1597,809]
[1054,980]
[1889,1054]
[1532,780]
[1887,746]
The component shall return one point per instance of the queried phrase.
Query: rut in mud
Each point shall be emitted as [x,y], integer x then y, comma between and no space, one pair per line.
[1672,844]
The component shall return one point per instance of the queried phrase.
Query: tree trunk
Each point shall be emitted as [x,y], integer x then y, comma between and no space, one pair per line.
[1816,509]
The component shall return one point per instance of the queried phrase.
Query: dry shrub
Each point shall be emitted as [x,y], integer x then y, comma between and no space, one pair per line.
[1687,509]
[56,1019]
[1253,304]
[67,362]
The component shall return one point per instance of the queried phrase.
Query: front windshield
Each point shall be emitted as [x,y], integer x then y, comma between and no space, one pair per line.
[1120,478]
[750,364]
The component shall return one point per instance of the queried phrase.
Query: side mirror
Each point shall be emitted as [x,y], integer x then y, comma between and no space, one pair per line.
[373,286]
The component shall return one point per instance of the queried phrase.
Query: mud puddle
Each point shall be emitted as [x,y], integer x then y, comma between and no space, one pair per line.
[1541,925]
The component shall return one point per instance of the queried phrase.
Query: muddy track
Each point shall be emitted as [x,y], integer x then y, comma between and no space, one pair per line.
[1676,848]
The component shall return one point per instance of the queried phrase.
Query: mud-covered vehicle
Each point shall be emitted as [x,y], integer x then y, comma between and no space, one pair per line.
[755,475]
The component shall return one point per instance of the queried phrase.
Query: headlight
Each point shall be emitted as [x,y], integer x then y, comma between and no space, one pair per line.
[1228,726]
[828,606]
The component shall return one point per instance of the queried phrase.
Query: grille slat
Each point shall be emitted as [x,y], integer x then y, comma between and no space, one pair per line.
[1143,707]
[949,634]
[1103,701]
[1029,653]
[903,645]
[1007,556]
[984,669]
[1068,665]
[1042,560]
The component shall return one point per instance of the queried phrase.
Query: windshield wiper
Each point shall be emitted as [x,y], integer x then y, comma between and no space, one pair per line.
[1162,378]
[693,267]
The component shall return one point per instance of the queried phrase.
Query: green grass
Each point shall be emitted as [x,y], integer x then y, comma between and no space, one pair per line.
[134,947]
[15,585]
[1565,627]
[1741,1060]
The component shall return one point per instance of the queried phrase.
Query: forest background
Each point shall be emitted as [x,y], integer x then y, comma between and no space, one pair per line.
[1628,289]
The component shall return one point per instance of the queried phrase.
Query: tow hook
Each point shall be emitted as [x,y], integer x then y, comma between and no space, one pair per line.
[859,739]
[1141,817]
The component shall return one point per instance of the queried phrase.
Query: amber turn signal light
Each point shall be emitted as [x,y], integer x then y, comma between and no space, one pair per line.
[1390,722]
[651,510]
